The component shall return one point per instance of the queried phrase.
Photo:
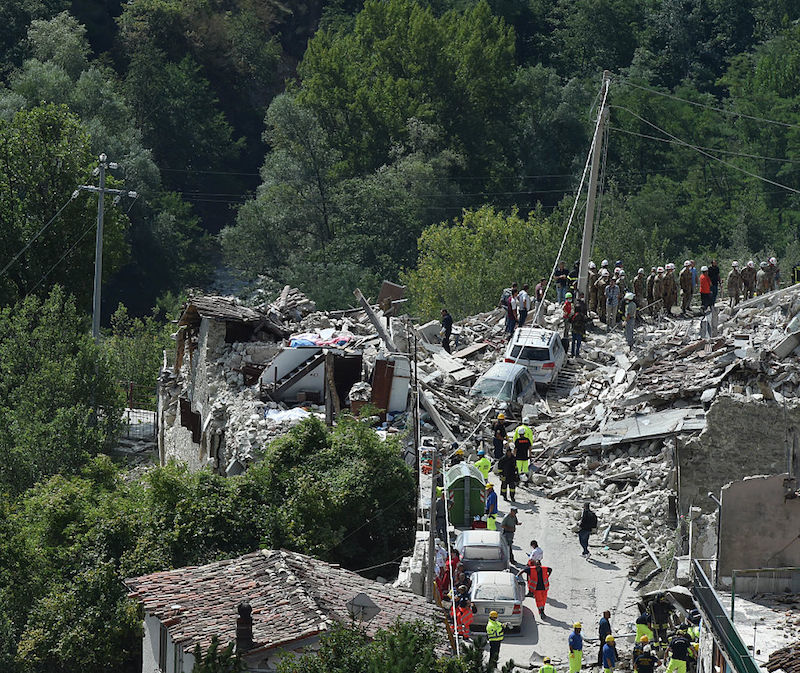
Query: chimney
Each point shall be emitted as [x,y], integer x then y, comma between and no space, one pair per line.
[244,628]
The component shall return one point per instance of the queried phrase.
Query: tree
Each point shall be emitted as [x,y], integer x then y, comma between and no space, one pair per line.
[53,378]
[216,660]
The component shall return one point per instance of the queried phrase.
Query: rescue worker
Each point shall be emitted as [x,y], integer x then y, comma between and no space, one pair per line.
[678,648]
[572,276]
[622,281]
[523,442]
[499,435]
[639,645]
[464,616]
[749,280]
[643,627]
[509,526]
[630,318]
[658,290]
[660,610]
[491,507]
[685,281]
[567,313]
[547,667]
[651,279]
[462,594]
[575,642]
[774,273]
[609,655]
[591,279]
[706,298]
[603,631]
[645,662]
[669,289]
[734,284]
[538,583]
[495,632]
[762,279]
[612,303]
[713,274]
[600,286]
[639,288]
[484,465]
[509,476]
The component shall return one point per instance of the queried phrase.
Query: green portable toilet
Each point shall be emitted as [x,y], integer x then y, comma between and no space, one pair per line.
[465,493]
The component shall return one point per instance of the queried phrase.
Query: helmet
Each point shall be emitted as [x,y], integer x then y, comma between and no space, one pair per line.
[568,295]
[763,265]
[526,420]
[493,614]
[687,263]
[703,268]
[609,639]
[604,262]
[462,586]
[501,416]
[546,660]
[629,295]
[644,639]
[460,451]
[646,649]
[734,264]
[592,265]
[577,625]
[621,272]
[617,270]
[481,452]
[660,269]
[641,270]
[618,263]
[605,273]
[750,264]
[671,266]
[772,260]
[652,269]
[489,485]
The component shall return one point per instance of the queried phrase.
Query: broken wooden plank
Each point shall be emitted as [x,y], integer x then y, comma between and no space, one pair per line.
[562,491]
[453,407]
[376,323]
[427,402]
[649,551]
[470,350]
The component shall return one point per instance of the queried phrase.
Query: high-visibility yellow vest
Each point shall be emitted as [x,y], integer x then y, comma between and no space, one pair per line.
[547,668]
[494,630]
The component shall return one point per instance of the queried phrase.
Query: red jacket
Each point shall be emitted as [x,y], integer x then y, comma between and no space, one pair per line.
[705,284]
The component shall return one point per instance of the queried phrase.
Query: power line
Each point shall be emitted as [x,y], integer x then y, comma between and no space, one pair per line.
[710,149]
[61,259]
[38,233]
[710,156]
[712,107]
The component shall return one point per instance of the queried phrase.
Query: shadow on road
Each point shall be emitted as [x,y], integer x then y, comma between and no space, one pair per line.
[557,623]
[530,629]
[555,603]
[602,565]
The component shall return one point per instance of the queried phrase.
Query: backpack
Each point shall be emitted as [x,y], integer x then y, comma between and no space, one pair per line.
[504,298]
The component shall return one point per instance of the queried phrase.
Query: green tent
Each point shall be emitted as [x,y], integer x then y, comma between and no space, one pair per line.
[465,493]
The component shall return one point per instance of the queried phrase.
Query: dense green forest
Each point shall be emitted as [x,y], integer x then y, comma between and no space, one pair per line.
[326,144]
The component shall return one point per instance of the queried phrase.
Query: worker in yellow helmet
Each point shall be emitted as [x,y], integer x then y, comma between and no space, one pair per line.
[483,464]
[491,507]
[546,666]
[609,655]
[575,648]
[495,632]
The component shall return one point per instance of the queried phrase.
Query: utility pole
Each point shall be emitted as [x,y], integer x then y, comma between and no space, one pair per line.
[101,191]
[588,222]
[432,532]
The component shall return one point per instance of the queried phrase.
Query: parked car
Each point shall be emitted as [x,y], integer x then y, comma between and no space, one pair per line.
[510,384]
[539,350]
[482,549]
[501,591]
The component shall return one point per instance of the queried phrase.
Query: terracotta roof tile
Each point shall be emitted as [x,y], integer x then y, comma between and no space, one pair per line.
[293,596]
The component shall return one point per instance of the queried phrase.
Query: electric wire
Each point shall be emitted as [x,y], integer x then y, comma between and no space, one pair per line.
[711,107]
[703,152]
[61,259]
[38,233]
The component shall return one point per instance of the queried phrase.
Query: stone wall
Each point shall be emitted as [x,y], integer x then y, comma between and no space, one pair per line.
[742,439]
[758,525]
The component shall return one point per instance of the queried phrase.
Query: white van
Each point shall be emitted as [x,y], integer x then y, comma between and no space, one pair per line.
[540,350]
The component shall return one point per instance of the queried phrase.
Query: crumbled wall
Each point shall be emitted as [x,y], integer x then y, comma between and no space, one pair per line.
[742,438]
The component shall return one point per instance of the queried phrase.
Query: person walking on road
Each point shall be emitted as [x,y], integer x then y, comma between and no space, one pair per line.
[495,632]
[538,583]
[491,507]
[509,526]
[509,476]
[523,441]
[587,525]
[484,465]
[546,666]
[575,642]
[609,655]
[447,329]
[603,631]
[536,553]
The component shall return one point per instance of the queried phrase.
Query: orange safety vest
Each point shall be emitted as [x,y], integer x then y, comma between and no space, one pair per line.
[464,618]
[533,577]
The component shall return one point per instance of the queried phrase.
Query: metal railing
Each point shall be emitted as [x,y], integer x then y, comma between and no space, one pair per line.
[722,629]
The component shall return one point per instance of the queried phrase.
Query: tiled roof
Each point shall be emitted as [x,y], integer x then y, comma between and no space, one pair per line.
[293,596]
[786,659]
[224,308]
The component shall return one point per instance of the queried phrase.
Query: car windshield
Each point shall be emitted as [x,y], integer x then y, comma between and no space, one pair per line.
[494,592]
[530,353]
[475,553]
[499,388]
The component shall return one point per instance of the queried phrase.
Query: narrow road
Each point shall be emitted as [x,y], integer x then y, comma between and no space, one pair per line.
[580,588]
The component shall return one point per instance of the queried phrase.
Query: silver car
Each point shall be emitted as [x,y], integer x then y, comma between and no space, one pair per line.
[482,549]
[501,591]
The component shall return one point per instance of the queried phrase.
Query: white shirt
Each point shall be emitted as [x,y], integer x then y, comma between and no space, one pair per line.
[536,554]
[513,303]
[524,300]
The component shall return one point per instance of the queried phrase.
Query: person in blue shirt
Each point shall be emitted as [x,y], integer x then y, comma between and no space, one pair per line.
[491,507]
[604,629]
[609,655]
[575,648]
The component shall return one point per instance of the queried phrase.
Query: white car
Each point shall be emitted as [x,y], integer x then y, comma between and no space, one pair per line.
[510,385]
[496,590]
[539,350]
